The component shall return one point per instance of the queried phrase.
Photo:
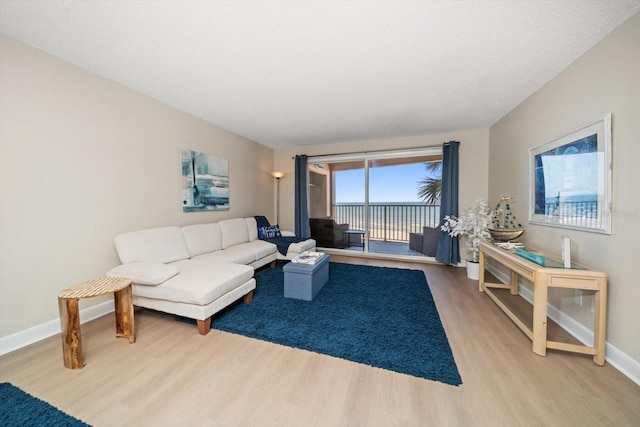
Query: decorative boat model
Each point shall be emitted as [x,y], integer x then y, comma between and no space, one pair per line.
[505,227]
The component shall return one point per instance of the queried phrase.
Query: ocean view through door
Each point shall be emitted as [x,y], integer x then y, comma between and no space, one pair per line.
[374,203]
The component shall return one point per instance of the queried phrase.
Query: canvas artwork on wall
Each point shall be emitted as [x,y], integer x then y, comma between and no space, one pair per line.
[205,182]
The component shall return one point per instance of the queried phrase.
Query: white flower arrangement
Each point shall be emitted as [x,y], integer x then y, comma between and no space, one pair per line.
[474,223]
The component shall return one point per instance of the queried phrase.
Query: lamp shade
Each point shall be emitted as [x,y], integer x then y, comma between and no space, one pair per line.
[278,174]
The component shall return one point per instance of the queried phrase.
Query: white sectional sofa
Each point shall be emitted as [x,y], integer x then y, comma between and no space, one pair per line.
[197,270]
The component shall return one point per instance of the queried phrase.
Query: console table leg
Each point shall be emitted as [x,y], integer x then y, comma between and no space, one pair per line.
[125,324]
[540,315]
[514,283]
[481,260]
[600,324]
[71,337]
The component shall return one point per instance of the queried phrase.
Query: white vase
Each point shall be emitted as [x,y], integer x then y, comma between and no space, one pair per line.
[473,270]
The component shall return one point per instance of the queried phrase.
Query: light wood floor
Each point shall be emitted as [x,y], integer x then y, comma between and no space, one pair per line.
[173,377]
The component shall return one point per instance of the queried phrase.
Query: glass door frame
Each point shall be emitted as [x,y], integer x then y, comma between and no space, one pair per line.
[366,158]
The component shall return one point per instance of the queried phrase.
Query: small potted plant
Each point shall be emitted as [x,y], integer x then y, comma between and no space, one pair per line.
[474,224]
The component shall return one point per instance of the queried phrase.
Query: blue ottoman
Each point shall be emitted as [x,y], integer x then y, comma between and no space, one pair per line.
[304,281]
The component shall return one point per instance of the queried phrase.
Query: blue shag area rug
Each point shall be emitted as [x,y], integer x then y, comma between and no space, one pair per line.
[20,409]
[382,317]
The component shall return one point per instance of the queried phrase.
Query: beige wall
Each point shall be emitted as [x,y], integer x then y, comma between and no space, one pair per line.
[605,79]
[83,159]
[474,161]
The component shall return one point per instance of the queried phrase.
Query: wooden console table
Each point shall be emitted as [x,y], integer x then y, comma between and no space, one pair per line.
[544,277]
[70,314]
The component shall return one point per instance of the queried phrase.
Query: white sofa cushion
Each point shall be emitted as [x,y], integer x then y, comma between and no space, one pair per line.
[252,228]
[245,250]
[202,238]
[198,283]
[231,254]
[144,272]
[234,231]
[165,244]
[260,248]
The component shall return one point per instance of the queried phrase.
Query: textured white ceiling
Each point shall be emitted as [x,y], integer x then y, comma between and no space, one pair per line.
[286,73]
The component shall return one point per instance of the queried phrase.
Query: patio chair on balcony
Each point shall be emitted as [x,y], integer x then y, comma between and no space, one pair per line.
[425,242]
[327,233]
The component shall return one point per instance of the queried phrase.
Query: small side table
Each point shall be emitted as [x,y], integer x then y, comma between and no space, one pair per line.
[346,238]
[70,314]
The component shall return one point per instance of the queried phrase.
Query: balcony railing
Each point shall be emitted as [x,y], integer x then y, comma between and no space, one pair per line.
[388,222]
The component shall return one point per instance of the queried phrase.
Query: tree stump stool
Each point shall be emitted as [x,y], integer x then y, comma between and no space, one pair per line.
[70,314]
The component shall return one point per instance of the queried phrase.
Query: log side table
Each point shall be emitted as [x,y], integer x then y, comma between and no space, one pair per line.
[70,314]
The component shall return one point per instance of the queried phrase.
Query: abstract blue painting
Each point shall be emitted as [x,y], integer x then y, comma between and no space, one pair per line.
[205,182]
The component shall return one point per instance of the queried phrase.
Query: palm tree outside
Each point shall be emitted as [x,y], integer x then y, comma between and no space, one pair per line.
[430,188]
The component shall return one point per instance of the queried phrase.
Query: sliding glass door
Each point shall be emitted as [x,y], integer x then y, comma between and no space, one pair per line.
[373,202]
[396,208]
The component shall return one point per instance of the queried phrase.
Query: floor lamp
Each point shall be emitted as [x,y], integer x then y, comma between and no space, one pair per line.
[277,175]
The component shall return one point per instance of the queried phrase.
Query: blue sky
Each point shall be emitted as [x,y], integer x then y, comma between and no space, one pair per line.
[395,184]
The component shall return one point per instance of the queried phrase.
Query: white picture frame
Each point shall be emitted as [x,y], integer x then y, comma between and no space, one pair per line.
[570,179]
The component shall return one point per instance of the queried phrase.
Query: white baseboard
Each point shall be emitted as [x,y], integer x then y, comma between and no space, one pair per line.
[613,355]
[45,330]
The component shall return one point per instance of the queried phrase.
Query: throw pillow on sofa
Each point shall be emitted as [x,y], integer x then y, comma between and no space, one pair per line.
[269,232]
